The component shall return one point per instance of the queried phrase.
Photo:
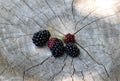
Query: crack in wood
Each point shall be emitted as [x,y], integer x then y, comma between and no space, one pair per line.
[9,22]
[92,76]
[81,21]
[101,76]
[53,76]
[94,21]
[16,4]
[55,13]
[73,71]
[83,77]
[83,62]
[24,1]
[35,13]
[72,9]
[35,66]
[94,59]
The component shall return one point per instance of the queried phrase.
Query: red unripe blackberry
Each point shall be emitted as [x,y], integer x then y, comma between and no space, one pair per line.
[72,49]
[69,38]
[56,46]
[40,38]
[51,41]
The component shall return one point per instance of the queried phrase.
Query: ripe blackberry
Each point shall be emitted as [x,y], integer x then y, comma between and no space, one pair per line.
[69,38]
[40,38]
[56,46]
[72,50]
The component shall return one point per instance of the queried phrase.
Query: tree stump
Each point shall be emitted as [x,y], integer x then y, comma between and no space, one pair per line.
[95,23]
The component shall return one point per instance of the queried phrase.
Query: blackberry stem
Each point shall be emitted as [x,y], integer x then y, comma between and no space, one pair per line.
[57,30]
[58,36]
[53,34]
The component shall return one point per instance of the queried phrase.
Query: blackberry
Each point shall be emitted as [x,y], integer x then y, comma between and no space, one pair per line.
[40,38]
[51,41]
[72,50]
[69,38]
[56,46]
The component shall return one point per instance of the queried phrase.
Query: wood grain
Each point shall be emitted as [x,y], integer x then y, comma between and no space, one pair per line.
[97,34]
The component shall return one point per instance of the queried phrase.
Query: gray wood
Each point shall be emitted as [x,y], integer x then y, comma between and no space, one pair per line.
[99,35]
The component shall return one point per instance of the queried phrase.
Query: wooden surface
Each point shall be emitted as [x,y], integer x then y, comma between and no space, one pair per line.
[21,60]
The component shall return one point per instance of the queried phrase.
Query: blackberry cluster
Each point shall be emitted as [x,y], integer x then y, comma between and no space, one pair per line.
[56,46]
[72,50]
[40,38]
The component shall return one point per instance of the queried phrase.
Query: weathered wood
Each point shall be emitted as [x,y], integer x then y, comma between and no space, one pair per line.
[97,34]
